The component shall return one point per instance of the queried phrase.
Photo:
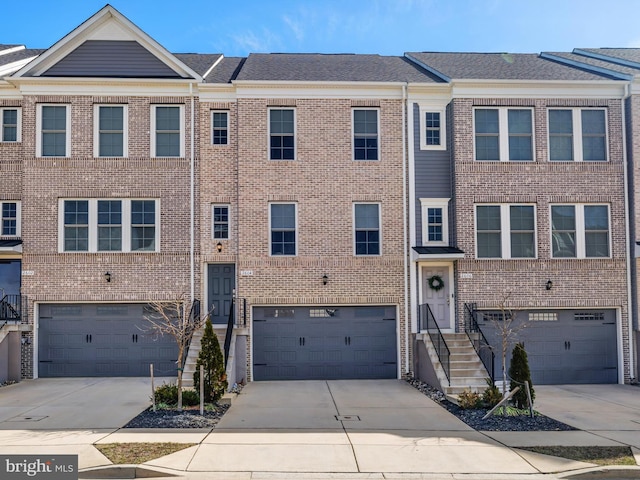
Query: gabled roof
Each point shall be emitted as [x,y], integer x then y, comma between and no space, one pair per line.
[498,66]
[315,67]
[14,61]
[226,70]
[593,64]
[622,56]
[119,42]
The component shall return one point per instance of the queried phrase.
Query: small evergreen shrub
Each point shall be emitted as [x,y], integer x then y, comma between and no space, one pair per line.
[519,373]
[468,400]
[166,396]
[491,395]
[211,360]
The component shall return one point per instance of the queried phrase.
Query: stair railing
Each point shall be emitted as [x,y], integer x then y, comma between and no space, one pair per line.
[229,332]
[192,320]
[428,323]
[10,309]
[478,340]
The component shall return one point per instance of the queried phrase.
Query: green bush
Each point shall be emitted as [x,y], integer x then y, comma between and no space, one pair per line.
[491,395]
[167,395]
[519,373]
[468,400]
[211,360]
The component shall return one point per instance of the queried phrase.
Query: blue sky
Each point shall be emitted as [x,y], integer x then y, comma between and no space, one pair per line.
[387,27]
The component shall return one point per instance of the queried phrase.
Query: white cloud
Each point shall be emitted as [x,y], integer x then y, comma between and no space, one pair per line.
[296,27]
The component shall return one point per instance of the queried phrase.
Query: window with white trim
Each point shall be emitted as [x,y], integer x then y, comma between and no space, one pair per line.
[580,231]
[435,221]
[577,135]
[53,124]
[283,226]
[505,231]
[167,127]
[109,225]
[220,221]
[10,124]
[366,144]
[10,226]
[282,145]
[219,128]
[110,130]
[503,134]
[433,131]
[366,220]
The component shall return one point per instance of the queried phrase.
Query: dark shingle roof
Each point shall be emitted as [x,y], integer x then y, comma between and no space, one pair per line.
[226,70]
[629,55]
[19,55]
[601,66]
[314,67]
[500,66]
[198,62]
[4,46]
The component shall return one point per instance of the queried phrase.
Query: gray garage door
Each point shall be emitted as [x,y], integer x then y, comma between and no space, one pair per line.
[306,343]
[563,346]
[101,340]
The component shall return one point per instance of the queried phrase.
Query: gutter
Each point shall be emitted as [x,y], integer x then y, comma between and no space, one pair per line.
[192,206]
[405,199]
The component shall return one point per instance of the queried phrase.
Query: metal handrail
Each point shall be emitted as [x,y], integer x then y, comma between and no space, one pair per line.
[192,321]
[10,308]
[428,323]
[480,343]
[229,332]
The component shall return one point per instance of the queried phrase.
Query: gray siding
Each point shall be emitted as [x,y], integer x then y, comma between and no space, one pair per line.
[432,172]
[106,58]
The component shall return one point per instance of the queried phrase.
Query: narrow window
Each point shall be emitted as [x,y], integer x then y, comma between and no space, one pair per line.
[365,135]
[281,134]
[9,218]
[561,135]
[432,128]
[520,135]
[283,229]
[220,128]
[76,225]
[489,233]
[563,231]
[596,230]
[487,132]
[167,131]
[594,136]
[221,221]
[9,119]
[109,225]
[522,225]
[434,227]
[143,225]
[111,131]
[54,131]
[367,228]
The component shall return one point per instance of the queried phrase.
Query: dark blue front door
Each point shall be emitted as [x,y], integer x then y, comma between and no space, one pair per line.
[222,281]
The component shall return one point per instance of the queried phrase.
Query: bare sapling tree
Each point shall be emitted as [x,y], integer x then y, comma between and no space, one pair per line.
[175,318]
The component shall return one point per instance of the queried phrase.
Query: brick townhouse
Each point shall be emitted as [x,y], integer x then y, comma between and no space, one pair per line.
[316,202]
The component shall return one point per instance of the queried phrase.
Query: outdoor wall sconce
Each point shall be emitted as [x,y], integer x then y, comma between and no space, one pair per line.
[325,279]
[219,247]
[549,285]
[107,277]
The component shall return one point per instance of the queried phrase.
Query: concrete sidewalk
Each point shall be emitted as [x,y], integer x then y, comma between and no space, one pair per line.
[357,430]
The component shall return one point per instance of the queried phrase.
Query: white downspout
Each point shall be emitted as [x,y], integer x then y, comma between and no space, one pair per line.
[405,199]
[192,259]
[629,242]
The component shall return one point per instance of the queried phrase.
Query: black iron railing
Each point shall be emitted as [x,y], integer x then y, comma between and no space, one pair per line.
[478,340]
[229,332]
[10,309]
[428,323]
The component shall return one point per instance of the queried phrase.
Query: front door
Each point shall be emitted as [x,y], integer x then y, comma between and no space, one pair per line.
[221,278]
[438,299]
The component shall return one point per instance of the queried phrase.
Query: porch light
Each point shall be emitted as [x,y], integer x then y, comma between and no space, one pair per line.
[549,285]
[107,277]
[219,247]
[325,279]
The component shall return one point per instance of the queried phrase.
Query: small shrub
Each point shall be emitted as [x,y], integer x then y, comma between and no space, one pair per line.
[519,373]
[468,400]
[167,396]
[491,395]
[211,360]
[190,398]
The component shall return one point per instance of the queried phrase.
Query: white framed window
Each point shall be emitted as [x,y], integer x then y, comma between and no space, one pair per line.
[11,219]
[433,128]
[109,225]
[577,134]
[53,126]
[219,127]
[110,130]
[282,134]
[366,139]
[10,124]
[503,134]
[580,231]
[435,221]
[167,127]
[367,236]
[220,221]
[283,226]
[505,231]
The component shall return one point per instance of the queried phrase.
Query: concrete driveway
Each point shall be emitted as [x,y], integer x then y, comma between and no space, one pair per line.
[73,403]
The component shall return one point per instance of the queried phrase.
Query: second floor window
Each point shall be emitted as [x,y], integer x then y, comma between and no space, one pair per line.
[580,231]
[167,139]
[282,134]
[54,124]
[365,135]
[219,128]
[367,228]
[577,135]
[283,229]
[503,134]
[10,226]
[111,130]
[220,221]
[9,125]
[505,231]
